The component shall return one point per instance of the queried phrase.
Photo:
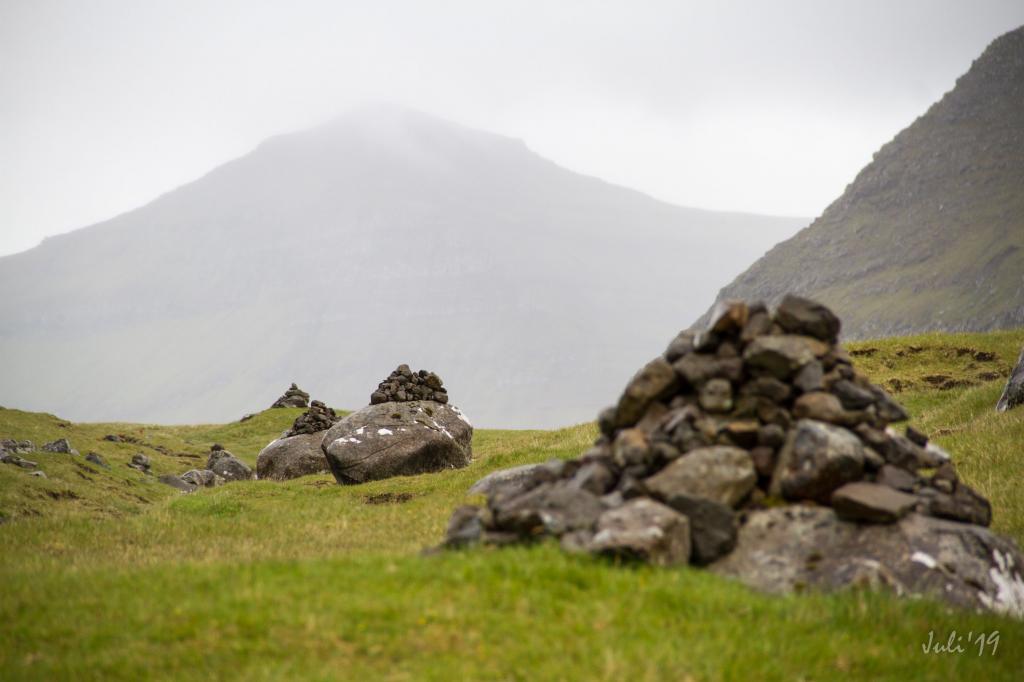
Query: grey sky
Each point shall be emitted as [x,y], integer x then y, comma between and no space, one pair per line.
[765,107]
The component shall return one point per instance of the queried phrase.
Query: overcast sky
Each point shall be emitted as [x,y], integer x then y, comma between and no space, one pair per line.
[768,107]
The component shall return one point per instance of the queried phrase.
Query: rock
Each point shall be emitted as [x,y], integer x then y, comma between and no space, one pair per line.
[964,504]
[293,397]
[403,385]
[464,527]
[631,447]
[712,526]
[816,459]
[681,345]
[514,480]
[96,459]
[177,482]
[60,445]
[227,466]
[784,549]
[852,396]
[646,530]
[779,356]
[728,317]
[594,477]
[317,418]
[871,502]
[547,508]
[16,447]
[201,478]
[798,315]
[716,396]
[698,368]
[655,380]
[1013,394]
[823,407]
[397,439]
[896,478]
[17,461]
[140,462]
[811,377]
[39,474]
[292,457]
[721,473]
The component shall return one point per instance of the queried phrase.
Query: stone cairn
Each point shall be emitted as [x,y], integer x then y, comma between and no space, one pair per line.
[317,418]
[404,385]
[293,397]
[757,410]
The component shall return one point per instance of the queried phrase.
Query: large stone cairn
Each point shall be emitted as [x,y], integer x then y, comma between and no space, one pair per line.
[758,410]
[404,385]
[293,397]
[318,417]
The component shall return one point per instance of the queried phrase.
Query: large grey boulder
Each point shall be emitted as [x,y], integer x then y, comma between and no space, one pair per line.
[1013,394]
[398,439]
[291,457]
[227,466]
[785,549]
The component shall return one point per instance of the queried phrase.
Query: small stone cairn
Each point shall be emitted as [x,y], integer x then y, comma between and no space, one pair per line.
[758,410]
[293,397]
[404,385]
[317,418]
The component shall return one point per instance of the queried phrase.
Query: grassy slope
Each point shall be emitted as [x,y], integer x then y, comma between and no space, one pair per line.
[125,579]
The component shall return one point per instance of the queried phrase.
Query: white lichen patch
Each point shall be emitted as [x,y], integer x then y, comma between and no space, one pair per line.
[360,430]
[1009,587]
[385,432]
[927,560]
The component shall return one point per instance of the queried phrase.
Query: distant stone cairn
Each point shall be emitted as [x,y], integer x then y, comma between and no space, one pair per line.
[404,385]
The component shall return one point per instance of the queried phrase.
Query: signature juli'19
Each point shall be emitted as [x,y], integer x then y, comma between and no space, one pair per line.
[956,643]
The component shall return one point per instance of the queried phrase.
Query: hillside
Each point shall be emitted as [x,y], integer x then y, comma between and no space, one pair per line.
[331,255]
[310,580]
[930,235]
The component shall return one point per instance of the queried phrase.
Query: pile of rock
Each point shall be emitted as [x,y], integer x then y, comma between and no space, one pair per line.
[221,467]
[755,447]
[317,418]
[404,385]
[293,397]
[1013,394]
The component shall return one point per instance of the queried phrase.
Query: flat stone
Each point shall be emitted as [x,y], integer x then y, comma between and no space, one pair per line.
[720,473]
[781,356]
[799,315]
[871,502]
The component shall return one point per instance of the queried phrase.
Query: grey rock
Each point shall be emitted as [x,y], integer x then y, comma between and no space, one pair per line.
[464,527]
[785,549]
[317,418]
[646,530]
[816,459]
[799,315]
[228,467]
[398,439]
[781,356]
[871,502]
[963,504]
[699,368]
[141,462]
[16,447]
[811,377]
[514,480]
[1013,393]
[293,397]
[202,478]
[896,478]
[721,473]
[548,508]
[60,445]
[96,459]
[177,482]
[852,396]
[716,396]
[292,457]
[655,380]
[712,526]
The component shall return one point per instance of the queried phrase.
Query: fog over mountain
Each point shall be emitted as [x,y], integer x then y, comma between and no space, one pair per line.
[329,256]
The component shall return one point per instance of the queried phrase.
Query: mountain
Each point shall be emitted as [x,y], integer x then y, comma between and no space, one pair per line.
[930,235]
[331,255]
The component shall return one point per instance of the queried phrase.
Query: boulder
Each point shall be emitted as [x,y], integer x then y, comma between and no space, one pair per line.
[513,480]
[785,549]
[202,478]
[177,482]
[398,439]
[643,529]
[1013,394]
[721,473]
[291,457]
[293,397]
[60,445]
[798,315]
[816,459]
[227,466]
[871,502]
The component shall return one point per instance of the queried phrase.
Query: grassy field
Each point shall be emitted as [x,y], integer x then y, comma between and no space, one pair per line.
[108,574]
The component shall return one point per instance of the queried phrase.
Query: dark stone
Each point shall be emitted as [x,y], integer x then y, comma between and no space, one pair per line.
[771,435]
[698,368]
[798,315]
[721,473]
[767,387]
[61,445]
[1013,394]
[464,527]
[680,346]
[292,457]
[227,466]
[781,356]
[716,396]
[317,418]
[916,437]
[549,508]
[852,396]
[141,462]
[655,380]
[201,478]
[397,439]
[96,459]
[810,377]
[177,482]
[965,505]
[712,526]
[645,530]
[293,397]
[896,478]
[728,317]
[816,459]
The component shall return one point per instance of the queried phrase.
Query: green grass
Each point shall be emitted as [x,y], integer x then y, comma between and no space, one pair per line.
[128,579]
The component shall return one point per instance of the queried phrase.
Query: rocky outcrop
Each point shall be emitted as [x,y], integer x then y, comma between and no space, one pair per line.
[398,439]
[403,385]
[779,460]
[1013,394]
[293,397]
[291,457]
[227,466]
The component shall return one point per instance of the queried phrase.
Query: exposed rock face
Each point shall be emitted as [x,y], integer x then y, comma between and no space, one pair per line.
[293,397]
[764,428]
[921,191]
[292,457]
[404,385]
[227,466]
[398,439]
[1013,394]
[317,418]
[784,549]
